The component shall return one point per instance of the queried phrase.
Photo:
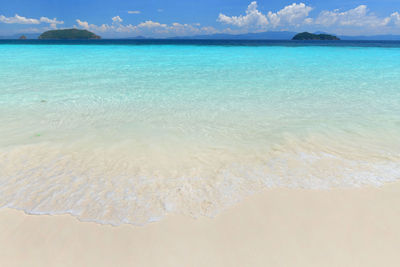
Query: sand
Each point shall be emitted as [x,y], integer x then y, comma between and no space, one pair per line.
[278,227]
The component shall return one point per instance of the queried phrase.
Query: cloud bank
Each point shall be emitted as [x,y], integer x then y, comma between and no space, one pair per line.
[147,28]
[296,17]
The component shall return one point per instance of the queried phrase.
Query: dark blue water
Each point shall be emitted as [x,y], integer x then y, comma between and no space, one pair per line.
[207,42]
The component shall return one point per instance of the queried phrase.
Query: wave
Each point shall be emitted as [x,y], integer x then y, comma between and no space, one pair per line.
[123,183]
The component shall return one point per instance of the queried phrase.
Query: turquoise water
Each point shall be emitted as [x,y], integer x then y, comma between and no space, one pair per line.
[126,134]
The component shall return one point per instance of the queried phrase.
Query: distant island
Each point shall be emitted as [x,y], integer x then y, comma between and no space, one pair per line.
[269,35]
[69,34]
[310,36]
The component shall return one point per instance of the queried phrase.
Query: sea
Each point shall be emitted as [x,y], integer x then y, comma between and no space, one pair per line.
[129,131]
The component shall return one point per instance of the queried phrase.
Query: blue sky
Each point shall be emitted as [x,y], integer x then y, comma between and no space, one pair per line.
[161,18]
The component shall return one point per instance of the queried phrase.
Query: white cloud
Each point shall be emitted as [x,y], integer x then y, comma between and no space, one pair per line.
[117,19]
[50,21]
[23,20]
[92,27]
[308,21]
[395,18]
[357,20]
[18,20]
[83,24]
[173,29]
[134,12]
[359,16]
[253,18]
[292,15]
[53,22]
[151,24]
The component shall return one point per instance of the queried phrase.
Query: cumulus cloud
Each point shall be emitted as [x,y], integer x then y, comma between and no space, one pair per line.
[359,16]
[50,21]
[395,18]
[359,19]
[117,19]
[18,20]
[292,15]
[23,20]
[53,22]
[134,12]
[85,25]
[151,24]
[253,18]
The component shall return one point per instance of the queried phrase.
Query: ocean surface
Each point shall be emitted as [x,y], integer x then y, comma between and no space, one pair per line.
[125,132]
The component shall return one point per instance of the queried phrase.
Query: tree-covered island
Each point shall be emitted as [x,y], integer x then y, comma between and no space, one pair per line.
[69,34]
[311,36]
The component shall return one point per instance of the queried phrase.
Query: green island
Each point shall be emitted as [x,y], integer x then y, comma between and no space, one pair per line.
[311,36]
[69,34]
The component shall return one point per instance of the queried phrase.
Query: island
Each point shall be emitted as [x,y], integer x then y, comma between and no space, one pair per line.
[22,37]
[310,36]
[69,34]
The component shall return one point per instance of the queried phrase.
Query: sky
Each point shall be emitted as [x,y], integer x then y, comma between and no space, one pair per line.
[166,18]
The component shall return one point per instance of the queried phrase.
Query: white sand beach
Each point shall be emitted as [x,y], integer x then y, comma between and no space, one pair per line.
[278,227]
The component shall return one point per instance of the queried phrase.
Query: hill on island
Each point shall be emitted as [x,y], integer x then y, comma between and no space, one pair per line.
[312,36]
[69,34]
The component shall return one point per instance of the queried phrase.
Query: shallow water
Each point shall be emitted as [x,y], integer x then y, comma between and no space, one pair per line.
[126,134]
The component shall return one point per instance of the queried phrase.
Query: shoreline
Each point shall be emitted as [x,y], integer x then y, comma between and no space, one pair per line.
[277,227]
